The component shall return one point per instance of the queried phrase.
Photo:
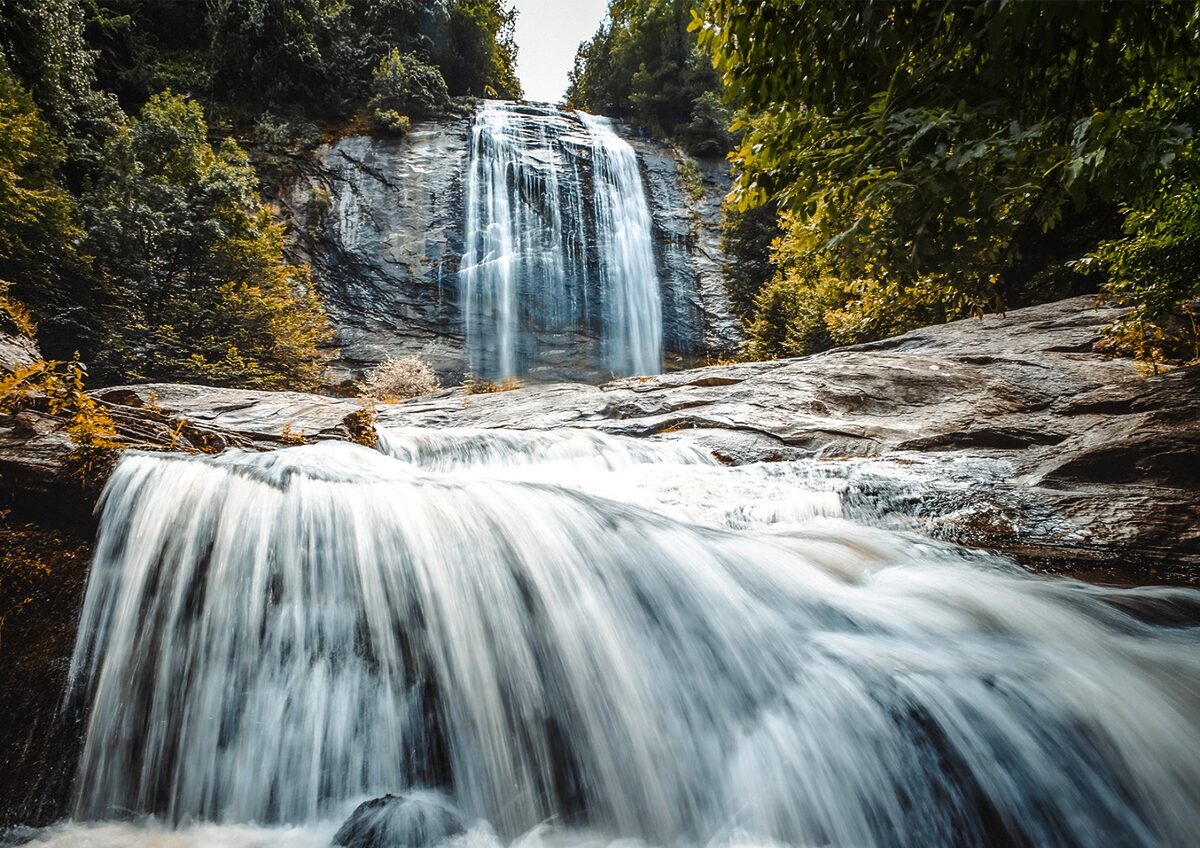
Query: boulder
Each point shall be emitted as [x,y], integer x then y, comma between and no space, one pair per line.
[16,351]
[413,820]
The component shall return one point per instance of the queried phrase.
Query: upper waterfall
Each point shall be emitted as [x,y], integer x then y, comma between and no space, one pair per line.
[558,245]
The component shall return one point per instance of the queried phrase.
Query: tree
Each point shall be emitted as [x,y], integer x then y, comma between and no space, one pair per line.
[402,86]
[37,216]
[146,46]
[195,283]
[642,65]
[480,54]
[44,43]
[319,56]
[925,149]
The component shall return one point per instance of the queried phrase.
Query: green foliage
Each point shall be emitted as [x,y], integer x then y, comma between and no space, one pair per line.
[192,264]
[390,122]
[323,56]
[690,176]
[43,41]
[146,46]
[479,58]
[404,85]
[58,387]
[1155,269]
[925,148]
[789,313]
[37,216]
[15,317]
[643,65]
[746,238]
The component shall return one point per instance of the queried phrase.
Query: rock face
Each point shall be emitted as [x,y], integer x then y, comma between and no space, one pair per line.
[16,351]
[413,820]
[383,224]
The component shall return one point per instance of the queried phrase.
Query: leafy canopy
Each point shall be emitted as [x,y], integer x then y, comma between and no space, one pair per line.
[926,150]
[196,286]
[643,65]
[37,215]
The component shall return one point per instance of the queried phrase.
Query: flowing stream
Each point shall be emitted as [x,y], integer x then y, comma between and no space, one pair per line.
[544,268]
[579,640]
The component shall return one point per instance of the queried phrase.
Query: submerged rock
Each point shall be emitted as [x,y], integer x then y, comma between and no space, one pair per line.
[412,820]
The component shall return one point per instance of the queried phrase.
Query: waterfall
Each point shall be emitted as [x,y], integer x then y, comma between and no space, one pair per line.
[633,310]
[571,637]
[545,271]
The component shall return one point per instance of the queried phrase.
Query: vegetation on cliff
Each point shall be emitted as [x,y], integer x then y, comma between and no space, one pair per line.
[642,65]
[913,163]
[130,221]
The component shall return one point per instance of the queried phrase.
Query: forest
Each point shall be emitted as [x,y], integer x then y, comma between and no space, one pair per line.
[894,165]
[897,165]
[137,135]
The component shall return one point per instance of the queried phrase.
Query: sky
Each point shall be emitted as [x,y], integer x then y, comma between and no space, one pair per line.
[548,33]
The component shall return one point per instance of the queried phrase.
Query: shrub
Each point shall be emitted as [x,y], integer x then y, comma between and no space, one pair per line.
[14,317]
[474,386]
[58,387]
[402,84]
[197,286]
[391,122]
[400,379]
[360,423]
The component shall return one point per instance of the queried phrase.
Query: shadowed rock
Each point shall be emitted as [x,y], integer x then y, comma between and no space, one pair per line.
[412,820]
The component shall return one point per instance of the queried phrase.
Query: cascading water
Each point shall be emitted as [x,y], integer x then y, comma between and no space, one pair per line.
[544,270]
[633,310]
[574,640]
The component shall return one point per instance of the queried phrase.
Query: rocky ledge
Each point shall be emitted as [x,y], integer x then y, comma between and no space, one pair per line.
[1010,432]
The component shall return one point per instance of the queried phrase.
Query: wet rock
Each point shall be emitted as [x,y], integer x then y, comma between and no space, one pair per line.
[1090,464]
[1100,462]
[412,820]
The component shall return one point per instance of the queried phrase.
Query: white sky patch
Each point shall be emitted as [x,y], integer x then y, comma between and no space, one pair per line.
[548,34]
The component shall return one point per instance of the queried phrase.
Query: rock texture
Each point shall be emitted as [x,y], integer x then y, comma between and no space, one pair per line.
[16,351]
[686,210]
[382,224]
[1090,462]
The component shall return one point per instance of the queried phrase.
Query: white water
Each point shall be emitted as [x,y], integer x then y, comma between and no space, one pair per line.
[633,308]
[543,268]
[535,623]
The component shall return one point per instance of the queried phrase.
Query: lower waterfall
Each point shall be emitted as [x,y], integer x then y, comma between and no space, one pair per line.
[569,637]
[558,246]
